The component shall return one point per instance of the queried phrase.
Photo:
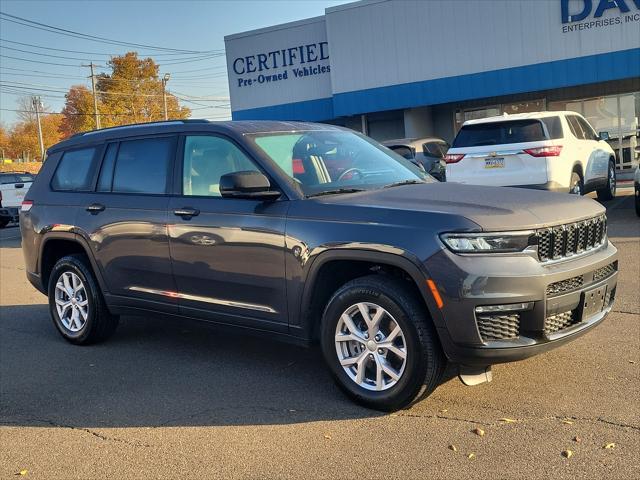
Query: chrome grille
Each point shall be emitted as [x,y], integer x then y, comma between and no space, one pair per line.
[604,272]
[560,321]
[564,286]
[498,327]
[567,240]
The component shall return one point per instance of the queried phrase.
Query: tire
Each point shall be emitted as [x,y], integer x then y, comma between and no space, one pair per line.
[637,192]
[420,371]
[609,191]
[74,326]
[576,186]
[4,223]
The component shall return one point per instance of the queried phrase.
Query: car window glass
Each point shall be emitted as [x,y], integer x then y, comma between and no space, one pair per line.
[106,171]
[405,152]
[499,133]
[142,166]
[589,132]
[75,170]
[554,127]
[432,149]
[575,127]
[206,159]
[5,179]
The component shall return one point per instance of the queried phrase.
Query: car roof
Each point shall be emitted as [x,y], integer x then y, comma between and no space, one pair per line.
[231,127]
[519,116]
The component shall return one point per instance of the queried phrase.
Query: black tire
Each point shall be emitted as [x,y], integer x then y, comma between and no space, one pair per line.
[4,223]
[609,191]
[100,323]
[637,192]
[576,186]
[425,362]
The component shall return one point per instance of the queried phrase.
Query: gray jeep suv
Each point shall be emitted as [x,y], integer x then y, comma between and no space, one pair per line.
[310,232]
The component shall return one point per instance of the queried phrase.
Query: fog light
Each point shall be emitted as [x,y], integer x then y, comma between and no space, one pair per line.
[512,307]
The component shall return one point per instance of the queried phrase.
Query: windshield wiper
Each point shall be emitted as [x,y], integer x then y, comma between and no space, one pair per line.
[404,182]
[336,191]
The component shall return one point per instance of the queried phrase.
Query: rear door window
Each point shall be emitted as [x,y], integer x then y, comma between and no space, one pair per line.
[575,127]
[500,133]
[75,171]
[142,166]
[589,132]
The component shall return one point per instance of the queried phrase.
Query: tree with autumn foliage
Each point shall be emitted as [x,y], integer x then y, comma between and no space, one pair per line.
[77,114]
[23,136]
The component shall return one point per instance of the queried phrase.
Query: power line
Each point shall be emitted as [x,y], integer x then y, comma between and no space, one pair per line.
[62,31]
[40,61]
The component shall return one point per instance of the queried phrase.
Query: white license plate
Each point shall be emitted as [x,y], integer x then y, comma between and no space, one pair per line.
[494,163]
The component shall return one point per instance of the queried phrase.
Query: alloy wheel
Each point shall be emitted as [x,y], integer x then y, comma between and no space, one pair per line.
[612,180]
[71,300]
[371,346]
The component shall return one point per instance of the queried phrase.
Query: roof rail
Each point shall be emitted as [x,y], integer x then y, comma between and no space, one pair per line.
[148,124]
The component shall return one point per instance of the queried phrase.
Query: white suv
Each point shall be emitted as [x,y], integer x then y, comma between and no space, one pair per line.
[556,151]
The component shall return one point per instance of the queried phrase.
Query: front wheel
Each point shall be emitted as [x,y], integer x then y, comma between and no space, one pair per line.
[76,305]
[576,187]
[638,201]
[608,192]
[379,344]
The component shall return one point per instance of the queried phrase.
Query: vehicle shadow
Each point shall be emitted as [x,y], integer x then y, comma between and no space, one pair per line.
[159,372]
[10,236]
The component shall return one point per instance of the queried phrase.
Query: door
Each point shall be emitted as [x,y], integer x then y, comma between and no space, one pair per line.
[598,162]
[228,254]
[125,222]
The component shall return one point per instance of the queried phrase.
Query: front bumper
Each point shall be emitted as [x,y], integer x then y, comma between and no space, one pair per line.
[556,293]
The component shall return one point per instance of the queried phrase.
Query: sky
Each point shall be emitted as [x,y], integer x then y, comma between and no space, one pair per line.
[185,25]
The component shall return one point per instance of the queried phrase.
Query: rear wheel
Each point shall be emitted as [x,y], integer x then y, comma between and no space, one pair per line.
[4,223]
[576,187]
[638,201]
[379,344]
[76,305]
[608,192]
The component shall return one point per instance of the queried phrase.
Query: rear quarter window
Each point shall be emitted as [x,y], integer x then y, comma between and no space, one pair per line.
[500,133]
[554,127]
[75,171]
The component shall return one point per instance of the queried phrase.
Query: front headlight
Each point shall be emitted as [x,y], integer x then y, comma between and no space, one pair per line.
[502,242]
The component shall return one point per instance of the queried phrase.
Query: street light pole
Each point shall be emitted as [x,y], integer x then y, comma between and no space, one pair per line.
[165,79]
[37,105]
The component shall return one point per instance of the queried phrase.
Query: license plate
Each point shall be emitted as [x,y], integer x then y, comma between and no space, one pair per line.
[593,301]
[494,163]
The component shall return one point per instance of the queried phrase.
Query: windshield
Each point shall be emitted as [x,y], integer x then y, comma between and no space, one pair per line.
[331,161]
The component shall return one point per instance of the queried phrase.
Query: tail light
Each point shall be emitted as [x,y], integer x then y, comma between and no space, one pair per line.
[26,205]
[298,166]
[551,151]
[453,157]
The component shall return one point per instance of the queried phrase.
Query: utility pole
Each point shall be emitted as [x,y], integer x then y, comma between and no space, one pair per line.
[165,79]
[95,97]
[37,104]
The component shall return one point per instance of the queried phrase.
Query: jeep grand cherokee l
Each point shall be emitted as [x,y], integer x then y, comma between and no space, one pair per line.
[312,232]
[556,151]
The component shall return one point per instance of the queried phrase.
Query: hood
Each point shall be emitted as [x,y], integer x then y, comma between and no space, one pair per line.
[493,208]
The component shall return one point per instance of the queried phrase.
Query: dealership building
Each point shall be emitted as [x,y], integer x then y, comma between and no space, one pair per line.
[404,68]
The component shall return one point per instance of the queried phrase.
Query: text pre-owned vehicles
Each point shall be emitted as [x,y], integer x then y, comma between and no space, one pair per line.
[428,152]
[313,232]
[13,188]
[556,151]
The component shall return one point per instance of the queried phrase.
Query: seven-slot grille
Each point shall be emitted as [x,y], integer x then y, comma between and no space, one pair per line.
[570,239]
[498,327]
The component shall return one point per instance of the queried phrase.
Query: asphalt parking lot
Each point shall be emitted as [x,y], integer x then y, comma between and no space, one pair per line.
[183,400]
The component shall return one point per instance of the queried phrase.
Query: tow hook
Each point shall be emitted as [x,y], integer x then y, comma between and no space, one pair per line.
[472,376]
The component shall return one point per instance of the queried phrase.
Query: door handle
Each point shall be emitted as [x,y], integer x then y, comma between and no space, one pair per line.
[95,208]
[186,212]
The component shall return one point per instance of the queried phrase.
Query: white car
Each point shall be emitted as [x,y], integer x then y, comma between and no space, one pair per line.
[556,151]
[13,187]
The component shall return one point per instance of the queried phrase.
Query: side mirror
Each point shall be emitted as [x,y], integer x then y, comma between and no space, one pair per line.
[603,136]
[248,185]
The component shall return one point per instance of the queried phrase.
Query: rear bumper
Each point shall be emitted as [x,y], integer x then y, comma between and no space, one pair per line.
[552,319]
[9,213]
[550,186]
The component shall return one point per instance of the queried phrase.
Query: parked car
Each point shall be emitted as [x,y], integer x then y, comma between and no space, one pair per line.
[556,151]
[427,152]
[243,224]
[13,188]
